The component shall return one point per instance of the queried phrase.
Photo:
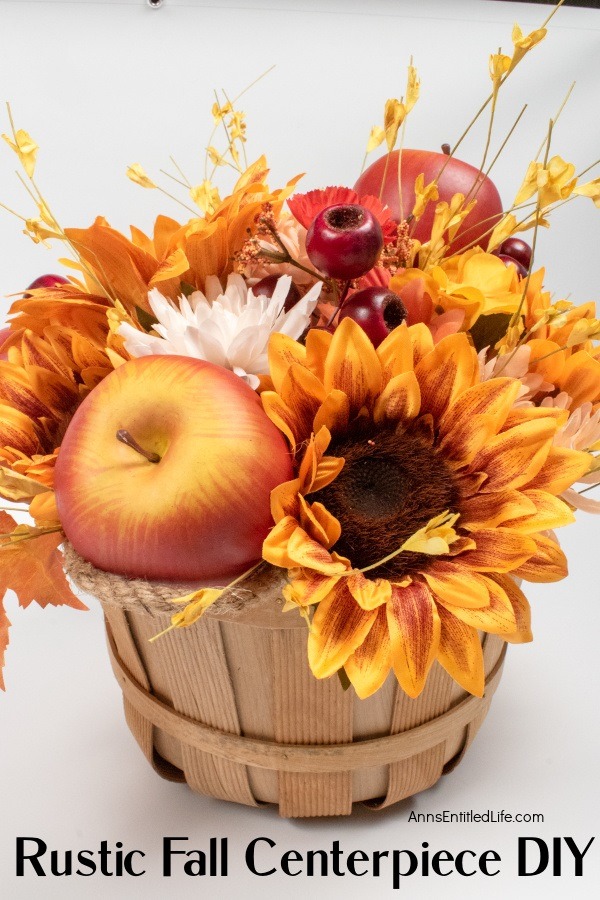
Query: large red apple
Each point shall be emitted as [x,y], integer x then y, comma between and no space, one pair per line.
[202,511]
[458,177]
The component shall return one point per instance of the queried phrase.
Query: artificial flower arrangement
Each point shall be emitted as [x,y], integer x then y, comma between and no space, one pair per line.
[367,390]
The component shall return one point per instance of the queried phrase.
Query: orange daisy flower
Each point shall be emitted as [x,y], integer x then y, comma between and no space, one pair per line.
[421,494]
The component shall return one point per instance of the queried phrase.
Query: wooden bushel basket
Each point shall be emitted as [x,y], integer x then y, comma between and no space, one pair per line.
[230,706]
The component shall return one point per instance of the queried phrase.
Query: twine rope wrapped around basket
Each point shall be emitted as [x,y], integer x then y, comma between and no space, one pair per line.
[230,706]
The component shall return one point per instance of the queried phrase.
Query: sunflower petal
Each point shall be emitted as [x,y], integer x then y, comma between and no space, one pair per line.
[513,458]
[421,340]
[369,593]
[283,352]
[18,430]
[302,393]
[498,616]
[475,417]
[284,500]
[352,366]
[446,373]
[304,552]
[460,653]
[318,342]
[280,415]
[312,459]
[327,471]
[396,353]
[547,564]
[338,628]
[309,588]
[562,468]
[16,388]
[491,510]
[414,627]
[275,544]
[319,523]
[400,400]
[333,413]
[521,609]
[369,665]
[452,584]
[550,512]
[498,550]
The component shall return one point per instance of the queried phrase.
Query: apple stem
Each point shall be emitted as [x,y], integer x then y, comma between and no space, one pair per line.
[125,438]
[446,149]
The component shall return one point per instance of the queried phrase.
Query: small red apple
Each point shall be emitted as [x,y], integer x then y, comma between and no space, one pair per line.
[458,177]
[195,506]
[377,310]
[47,281]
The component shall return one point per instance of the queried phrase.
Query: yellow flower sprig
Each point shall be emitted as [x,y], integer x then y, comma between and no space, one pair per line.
[434,539]
[197,602]
[35,228]
[501,66]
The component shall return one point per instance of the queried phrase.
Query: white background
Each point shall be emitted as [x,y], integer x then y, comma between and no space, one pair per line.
[101,85]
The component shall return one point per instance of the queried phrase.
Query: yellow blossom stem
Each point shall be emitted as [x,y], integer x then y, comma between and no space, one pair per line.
[473,195]
[587,169]
[12,212]
[177,200]
[555,120]
[385,170]
[517,314]
[176,180]
[591,486]
[226,588]
[486,103]
[242,140]
[39,198]
[554,11]
[188,183]
[6,540]
[590,337]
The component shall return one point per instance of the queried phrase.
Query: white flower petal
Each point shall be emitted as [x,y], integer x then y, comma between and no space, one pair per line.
[229,328]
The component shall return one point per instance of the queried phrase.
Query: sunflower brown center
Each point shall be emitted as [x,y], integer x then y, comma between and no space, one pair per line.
[392,484]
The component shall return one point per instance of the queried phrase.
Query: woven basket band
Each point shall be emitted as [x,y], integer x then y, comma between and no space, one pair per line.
[300,757]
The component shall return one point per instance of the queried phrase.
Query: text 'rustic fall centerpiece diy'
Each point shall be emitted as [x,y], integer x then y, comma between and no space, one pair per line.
[303,447]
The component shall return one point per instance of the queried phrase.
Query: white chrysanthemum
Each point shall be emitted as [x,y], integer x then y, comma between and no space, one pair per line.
[230,328]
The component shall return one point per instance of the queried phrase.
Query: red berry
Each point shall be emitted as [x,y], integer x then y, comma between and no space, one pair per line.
[344,241]
[266,287]
[517,249]
[510,261]
[46,281]
[377,310]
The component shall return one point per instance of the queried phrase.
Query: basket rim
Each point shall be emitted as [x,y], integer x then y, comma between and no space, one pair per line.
[256,600]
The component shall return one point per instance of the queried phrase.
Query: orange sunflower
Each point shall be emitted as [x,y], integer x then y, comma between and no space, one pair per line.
[421,494]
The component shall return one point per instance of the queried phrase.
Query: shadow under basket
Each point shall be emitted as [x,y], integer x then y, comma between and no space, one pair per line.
[230,706]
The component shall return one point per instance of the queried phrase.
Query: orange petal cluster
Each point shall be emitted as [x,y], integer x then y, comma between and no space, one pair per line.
[508,476]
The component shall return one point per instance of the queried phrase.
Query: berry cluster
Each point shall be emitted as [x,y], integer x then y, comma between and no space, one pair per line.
[345,242]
